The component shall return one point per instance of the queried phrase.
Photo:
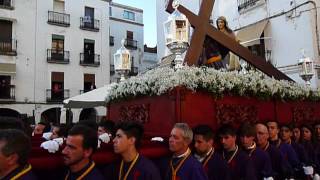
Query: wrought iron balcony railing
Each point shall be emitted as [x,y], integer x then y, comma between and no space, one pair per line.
[130,44]
[57,95]
[6,4]
[8,47]
[89,59]
[59,19]
[7,92]
[58,56]
[90,24]
[244,4]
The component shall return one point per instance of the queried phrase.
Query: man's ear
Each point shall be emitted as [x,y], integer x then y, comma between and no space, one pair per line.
[210,142]
[132,140]
[88,152]
[12,159]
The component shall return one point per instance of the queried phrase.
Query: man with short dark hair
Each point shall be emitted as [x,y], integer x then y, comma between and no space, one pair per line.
[261,160]
[239,163]
[15,147]
[214,165]
[80,145]
[59,131]
[132,165]
[106,126]
[41,128]
[183,165]
[288,152]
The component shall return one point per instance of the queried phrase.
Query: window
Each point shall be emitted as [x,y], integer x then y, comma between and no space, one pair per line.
[110,11]
[58,6]
[318,72]
[129,35]
[57,44]
[128,15]
[88,82]
[57,86]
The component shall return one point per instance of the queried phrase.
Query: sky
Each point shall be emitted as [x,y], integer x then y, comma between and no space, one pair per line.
[149,18]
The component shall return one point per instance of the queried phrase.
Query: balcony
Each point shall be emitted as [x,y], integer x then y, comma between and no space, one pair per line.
[59,19]
[6,4]
[111,41]
[8,47]
[58,56]
[134,71]
[245,4]
[112,70]
[57,96]
[89,24]
[89,59]
[7,93]
[130,44]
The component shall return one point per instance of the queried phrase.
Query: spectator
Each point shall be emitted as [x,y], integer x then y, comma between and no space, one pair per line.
[41,128]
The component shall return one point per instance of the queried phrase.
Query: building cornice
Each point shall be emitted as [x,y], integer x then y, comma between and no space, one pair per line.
[126,7]
[125,21]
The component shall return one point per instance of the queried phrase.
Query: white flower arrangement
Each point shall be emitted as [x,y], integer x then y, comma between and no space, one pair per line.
[254,84]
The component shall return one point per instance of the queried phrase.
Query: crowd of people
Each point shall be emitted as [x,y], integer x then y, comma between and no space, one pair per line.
[252,151]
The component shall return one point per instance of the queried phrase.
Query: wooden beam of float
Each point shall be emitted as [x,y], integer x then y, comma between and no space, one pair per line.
[203,28]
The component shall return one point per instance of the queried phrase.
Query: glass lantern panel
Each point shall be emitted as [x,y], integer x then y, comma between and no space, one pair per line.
[168,31]
[125,61]
[117,61]
[309,67]
[181,30]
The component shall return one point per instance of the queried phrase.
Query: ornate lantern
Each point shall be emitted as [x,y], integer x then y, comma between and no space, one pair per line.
[122,63]
[176,30]
[306,68]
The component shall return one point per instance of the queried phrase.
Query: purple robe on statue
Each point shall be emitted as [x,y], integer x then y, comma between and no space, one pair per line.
[261,162]
[191,169]
[144,169]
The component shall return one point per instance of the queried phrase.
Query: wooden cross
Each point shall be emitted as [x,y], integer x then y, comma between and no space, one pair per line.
[203,28]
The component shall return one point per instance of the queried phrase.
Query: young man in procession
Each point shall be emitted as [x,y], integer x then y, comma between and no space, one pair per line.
[259,158]
[80,145]
[133,165]
[213,163]
[239,163]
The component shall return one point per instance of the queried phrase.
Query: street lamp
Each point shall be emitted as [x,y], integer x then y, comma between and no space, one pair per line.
[176,31]
[122,63]
[306,68]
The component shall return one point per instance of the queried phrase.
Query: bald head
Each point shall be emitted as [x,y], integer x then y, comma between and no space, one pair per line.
[262,135]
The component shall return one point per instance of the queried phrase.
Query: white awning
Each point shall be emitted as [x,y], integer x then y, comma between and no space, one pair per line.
[250,35]
[94,98]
